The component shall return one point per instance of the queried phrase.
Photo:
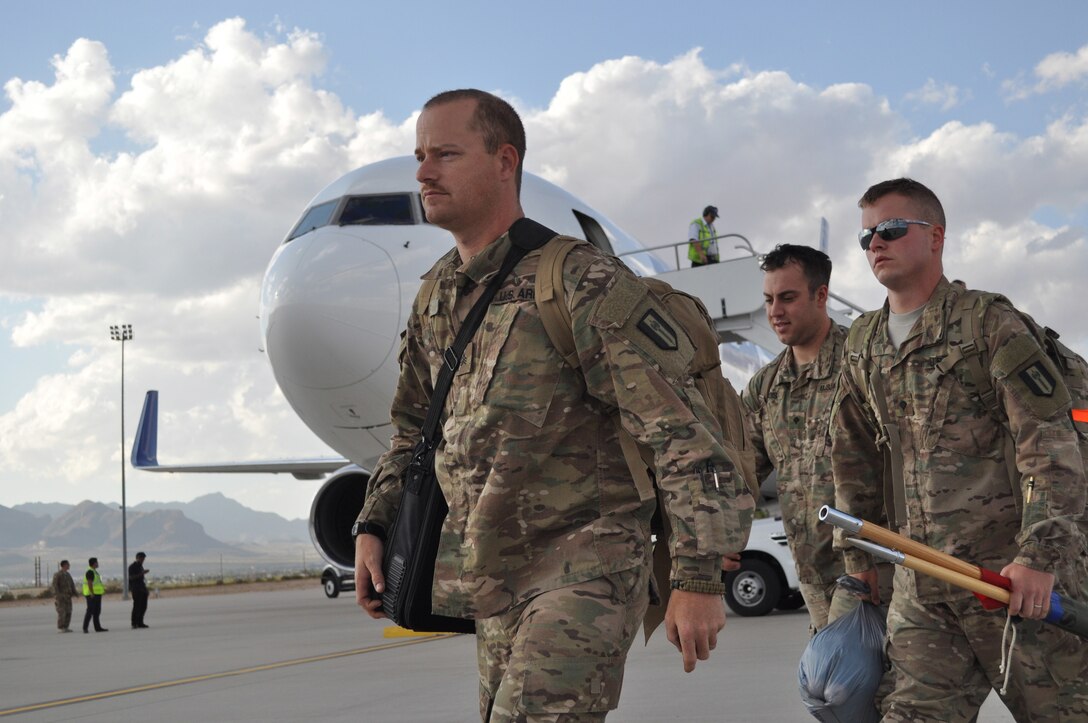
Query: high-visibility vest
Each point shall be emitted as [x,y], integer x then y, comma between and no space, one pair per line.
[99,588]
[706,240]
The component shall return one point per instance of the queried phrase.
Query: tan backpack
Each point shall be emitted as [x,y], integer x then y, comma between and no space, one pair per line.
[692,316]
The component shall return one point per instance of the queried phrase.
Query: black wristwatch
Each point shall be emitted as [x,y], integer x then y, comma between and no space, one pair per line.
[361,527]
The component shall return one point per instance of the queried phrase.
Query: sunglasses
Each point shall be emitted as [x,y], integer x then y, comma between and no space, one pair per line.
[888,230]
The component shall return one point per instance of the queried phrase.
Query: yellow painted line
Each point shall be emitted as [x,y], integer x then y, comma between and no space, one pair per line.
[225,674]
[396,631]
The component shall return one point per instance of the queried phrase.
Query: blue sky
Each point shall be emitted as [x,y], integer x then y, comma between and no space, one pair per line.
[113,198]
[410,50]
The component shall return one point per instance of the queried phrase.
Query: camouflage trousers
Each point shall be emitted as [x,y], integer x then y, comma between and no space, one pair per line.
[63,604]
[946,656]
[560,656]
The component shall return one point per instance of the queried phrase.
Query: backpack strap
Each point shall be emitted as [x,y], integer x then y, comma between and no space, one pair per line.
[893,458]
[551,298]
[454,354]
[551,302]
[860,344]
[970,347]
[767,382]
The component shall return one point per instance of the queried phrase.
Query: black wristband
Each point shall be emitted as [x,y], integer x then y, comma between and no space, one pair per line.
[362,527]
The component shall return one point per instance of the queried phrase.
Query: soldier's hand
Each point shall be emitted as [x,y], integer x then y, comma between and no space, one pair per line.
[692,622]
[369,581]
[731,562]
[870,578]
[1030,594]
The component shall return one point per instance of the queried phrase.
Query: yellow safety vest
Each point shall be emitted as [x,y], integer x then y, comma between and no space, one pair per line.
[706,238]
[99,588]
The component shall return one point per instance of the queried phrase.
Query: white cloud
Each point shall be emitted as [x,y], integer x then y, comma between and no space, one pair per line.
[946,96]
[1054,72]
[1058,70]
[234,136]
[651,143]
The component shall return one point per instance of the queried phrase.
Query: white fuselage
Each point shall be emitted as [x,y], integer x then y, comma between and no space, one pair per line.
[335,299]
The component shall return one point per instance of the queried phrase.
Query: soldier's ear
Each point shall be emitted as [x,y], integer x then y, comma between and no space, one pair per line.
[937,239]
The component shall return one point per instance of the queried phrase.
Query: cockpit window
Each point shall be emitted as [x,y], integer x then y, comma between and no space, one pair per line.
[389,209]
[394,209]
[315,217]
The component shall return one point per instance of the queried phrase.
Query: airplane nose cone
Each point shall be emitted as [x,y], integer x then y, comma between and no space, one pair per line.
[330,305]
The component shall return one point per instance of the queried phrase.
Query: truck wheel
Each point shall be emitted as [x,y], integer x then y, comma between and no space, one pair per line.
[753,590]
[332,586]
[791,601]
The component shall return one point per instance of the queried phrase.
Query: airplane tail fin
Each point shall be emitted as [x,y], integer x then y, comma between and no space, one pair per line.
[145,445]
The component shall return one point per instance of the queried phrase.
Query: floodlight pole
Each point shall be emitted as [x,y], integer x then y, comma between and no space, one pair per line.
[123,333]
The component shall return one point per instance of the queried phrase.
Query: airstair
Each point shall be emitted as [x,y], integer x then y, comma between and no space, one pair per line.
[732,291]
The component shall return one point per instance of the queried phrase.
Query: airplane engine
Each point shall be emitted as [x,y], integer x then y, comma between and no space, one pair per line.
[334,510]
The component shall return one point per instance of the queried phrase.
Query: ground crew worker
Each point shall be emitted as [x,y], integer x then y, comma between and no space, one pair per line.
[137,586]
[546,544]
[788,404]
[954,493]
[64,589]
[93,590]
[703,239]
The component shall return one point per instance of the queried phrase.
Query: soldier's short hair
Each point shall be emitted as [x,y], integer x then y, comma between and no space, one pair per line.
[927,204]
[814,263]
[496,120]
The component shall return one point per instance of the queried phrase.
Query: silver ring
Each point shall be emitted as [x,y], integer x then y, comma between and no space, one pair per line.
[1037,606]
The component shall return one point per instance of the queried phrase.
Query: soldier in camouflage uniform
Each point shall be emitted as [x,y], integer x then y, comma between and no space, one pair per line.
[547,544]
[789,405]
[956,495]
[64,589]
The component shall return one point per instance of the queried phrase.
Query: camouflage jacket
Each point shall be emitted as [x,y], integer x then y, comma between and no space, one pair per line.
[790,431]
[539,492]
[958,494]
[63,585]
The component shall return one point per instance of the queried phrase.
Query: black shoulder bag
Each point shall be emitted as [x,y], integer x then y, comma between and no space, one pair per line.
[412,544]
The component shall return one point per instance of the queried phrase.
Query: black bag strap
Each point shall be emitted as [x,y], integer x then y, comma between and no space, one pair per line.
[525,235]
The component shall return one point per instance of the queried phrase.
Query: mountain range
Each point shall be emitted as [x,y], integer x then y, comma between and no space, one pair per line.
[207,524]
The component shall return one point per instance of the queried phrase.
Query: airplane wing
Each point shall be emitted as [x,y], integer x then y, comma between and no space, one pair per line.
[145,453]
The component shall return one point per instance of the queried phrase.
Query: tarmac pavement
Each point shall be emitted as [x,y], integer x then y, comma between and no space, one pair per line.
[294,655]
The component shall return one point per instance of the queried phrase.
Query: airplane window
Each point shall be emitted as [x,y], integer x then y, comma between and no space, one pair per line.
[384,210]
[315,217]
[593,231]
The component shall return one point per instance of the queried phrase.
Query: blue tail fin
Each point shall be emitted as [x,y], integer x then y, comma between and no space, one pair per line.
[145,445]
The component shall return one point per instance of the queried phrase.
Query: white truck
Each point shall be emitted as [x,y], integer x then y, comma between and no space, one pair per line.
[767,578]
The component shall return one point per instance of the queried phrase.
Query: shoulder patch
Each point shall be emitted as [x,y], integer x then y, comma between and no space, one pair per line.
[660,332]
[619,302]
[1015,355]
[1023,365]
[1038,380]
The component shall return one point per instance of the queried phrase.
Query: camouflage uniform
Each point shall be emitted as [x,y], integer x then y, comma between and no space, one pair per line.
[789,431]
[540,496]
[943,646]
[64,589]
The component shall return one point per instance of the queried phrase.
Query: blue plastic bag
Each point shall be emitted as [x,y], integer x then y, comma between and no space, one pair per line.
[842,666]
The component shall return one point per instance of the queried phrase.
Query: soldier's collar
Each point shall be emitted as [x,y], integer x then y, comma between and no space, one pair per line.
[481,267]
